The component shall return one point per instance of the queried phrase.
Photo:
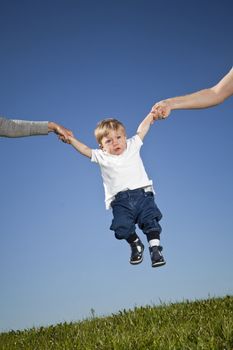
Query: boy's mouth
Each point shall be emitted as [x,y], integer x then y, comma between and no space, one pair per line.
[117,149]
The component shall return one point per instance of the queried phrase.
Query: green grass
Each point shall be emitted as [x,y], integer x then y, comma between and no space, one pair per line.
[200,325]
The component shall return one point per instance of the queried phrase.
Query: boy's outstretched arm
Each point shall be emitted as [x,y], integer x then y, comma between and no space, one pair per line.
[80,147]
[145,125]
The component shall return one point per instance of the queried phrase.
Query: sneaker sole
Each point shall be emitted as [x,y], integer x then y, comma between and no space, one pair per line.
[136,262]
[158,264]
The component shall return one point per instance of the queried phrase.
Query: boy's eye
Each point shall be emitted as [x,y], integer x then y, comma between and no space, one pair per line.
[108,141]
[119,137]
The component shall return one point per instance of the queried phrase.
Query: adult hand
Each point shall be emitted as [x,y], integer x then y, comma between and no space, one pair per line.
[60,130]
[161,110]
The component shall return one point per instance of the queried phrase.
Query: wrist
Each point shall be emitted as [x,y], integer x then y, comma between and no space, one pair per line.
[171,103]
[52,127]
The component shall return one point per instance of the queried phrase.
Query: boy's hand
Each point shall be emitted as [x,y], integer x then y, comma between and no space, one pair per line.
[155,116]
[66,139]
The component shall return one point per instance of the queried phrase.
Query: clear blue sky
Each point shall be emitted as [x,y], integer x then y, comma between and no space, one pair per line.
[77,62]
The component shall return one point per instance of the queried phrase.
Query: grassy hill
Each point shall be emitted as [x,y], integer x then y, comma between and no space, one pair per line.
[200,325]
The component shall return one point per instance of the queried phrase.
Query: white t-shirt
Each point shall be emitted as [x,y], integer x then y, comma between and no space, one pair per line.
[122,172]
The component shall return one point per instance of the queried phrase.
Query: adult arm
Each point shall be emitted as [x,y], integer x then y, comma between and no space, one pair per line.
[22,128]
[201,99]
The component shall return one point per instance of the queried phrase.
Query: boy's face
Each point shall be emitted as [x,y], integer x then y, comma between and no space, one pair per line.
[115,142]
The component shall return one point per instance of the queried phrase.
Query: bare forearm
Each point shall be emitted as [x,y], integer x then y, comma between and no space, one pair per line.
[200,99]
[80,147]
[145,126]
[206,97]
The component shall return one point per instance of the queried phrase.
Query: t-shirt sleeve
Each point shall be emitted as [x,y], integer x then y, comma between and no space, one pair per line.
[95,156]
[135,142]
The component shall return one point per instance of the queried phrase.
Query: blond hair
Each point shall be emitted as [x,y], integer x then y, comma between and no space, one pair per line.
[105,126]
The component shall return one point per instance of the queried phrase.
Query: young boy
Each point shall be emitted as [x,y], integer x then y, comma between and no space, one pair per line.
[128,190]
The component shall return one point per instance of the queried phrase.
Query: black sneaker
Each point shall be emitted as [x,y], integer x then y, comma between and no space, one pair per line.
[156,257]
[137,249]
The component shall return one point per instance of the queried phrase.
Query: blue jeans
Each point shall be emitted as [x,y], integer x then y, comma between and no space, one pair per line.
[134,207]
